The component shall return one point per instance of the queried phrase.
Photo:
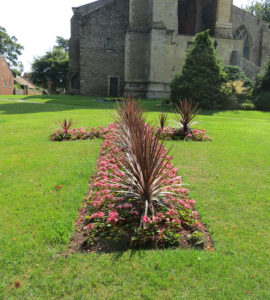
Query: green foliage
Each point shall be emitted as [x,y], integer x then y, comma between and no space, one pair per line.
[261,90]
[51,70]
[202,76]
[247,106]
[260,9]
[62,43]
[11,49]
[234,73]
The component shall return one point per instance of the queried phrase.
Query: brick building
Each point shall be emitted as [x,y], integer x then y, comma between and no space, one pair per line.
[137,46]
[6,78]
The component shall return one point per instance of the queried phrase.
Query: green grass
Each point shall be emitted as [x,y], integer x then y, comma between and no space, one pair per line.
[229,179]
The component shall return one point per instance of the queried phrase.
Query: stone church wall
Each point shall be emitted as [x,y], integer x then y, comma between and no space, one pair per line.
[102,48]
[258,32]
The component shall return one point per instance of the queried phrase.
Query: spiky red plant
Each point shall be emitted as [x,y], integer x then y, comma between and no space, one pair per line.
[163,118]
[185,112]
[144,159]
[65,125]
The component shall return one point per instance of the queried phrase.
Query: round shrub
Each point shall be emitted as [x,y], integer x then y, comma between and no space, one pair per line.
[261,90]
[262,101]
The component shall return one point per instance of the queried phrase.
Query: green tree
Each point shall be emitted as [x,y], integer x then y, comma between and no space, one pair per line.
[62,43]
[11,49]
[261,90]
[260,9]
[202,76]
[51,70]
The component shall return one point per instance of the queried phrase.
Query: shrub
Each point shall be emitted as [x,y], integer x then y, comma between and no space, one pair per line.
[247,106]
[202,76]
[234,73]
[261,90]
[262,101]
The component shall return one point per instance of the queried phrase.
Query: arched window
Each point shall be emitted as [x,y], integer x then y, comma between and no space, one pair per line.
[241,34]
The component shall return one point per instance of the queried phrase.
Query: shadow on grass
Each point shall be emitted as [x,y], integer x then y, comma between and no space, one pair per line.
[53,103]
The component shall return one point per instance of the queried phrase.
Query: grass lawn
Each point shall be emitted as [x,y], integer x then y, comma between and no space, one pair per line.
[229,178]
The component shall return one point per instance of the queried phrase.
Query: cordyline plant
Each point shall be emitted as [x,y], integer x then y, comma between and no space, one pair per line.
[185,112]
[136,197]
[65,125]
[63,130]
[143,160]
[163,118]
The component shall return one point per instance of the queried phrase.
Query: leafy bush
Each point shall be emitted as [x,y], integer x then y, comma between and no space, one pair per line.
[234,73]
[247,106]
[237,89]
[262,101]
[261,90]
[202,76]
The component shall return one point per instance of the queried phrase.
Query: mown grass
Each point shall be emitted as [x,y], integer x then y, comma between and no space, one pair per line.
[229,178]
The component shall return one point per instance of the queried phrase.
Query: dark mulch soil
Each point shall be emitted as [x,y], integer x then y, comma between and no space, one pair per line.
[78,242]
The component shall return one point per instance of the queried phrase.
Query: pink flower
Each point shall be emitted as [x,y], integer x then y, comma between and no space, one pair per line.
[112,217]
[127,205]
[134,213]
[98,215]
[146,220]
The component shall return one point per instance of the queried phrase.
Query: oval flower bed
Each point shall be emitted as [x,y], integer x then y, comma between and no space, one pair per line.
[136,198]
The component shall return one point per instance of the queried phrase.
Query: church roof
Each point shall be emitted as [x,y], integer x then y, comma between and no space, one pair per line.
[90,7]
[24,82]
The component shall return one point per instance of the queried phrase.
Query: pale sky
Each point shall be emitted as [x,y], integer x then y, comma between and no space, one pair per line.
[36,23]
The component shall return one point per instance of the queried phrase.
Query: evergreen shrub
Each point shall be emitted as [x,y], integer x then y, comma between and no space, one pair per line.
[202,76]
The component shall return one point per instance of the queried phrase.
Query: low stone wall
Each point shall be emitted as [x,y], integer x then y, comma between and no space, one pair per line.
[34,92]
[27,92]
[19,92]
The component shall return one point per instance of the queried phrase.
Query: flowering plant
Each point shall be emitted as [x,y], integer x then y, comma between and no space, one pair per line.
[82,133]
[136,197]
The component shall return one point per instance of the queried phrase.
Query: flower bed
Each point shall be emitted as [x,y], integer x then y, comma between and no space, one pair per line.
[79,133]
[169,133]
[87,133]
[112,219]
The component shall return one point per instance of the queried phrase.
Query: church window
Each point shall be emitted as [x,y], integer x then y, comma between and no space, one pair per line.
[187,17]
[241,34]
[195,16]
[108,45]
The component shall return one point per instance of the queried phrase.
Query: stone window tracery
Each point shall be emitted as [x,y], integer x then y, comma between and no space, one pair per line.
[241,34]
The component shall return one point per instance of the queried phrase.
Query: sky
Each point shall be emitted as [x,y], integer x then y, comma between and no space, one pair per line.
[36,23]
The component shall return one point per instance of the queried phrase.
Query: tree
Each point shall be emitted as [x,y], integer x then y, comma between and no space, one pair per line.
[261,90]
[202,76]
[62,43]
[51,70]
[11,49]
[260,9]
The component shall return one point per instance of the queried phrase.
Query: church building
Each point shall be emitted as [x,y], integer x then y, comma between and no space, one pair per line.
[136,47]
